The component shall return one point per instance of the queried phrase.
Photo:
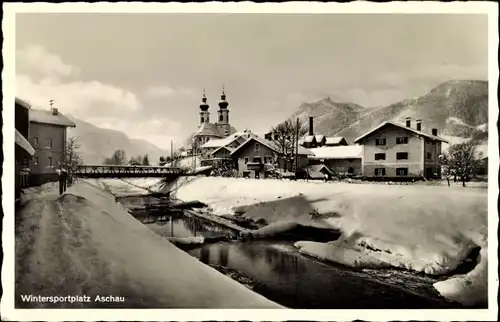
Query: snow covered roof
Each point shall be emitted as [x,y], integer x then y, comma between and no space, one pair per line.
[22,103]
[212,129]
[314,171]
[23,143]
[387,123]
[47,117]
[308,138]
[319,137]
[334,140]
[208,129]
[217,143]
[337,152]
[271,145]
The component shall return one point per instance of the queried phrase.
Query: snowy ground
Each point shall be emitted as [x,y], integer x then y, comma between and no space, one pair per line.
[85,243]
[429,229]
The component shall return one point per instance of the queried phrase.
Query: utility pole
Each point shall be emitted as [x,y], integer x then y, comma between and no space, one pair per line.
[296,147]
[171,150]
[51,103]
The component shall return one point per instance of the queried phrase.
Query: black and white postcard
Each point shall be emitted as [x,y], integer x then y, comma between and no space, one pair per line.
[245,161]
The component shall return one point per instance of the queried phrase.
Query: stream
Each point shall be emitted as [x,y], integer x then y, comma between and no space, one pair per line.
[280,273]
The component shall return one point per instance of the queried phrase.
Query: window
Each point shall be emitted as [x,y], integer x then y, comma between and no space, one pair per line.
[49,143]
[429,155]
[402,140]
[50,161]
[35,160]
[35,141]
[402,156]
[379,156]
[221,118]
[202,120]
[257,160]
[380,171]
[380,141]
[402,171]
[257,147]
[246,160]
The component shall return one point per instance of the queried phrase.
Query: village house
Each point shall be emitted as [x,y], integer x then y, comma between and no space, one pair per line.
[218,149]
[47,134]
[23,149]
[258,157]
[397,152]
[312,140]
[343,161]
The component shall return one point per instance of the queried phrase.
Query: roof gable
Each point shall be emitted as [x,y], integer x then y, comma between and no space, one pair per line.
[46,117]
[222,148]
[257,140]
[390,123]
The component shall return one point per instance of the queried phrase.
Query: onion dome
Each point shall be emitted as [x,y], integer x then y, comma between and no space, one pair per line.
[204,105]
[223,103]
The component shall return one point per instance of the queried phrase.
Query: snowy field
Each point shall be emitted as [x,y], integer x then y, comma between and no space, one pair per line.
[428,229]
[85,243]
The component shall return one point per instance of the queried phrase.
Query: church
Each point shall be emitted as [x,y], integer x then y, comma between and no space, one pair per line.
[218,130]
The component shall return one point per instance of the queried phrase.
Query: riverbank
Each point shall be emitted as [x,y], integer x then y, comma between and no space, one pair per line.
[84,242]
[420,228]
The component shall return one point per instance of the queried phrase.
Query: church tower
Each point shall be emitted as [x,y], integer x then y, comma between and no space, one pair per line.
[223,111]
[204,114]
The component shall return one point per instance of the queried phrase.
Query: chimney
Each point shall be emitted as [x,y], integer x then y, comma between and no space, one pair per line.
[55,111]
[276,136]
[435,132]
[419,125]
[408,121]
[311,129]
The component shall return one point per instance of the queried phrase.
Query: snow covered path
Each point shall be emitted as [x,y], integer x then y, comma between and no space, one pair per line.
[83,243]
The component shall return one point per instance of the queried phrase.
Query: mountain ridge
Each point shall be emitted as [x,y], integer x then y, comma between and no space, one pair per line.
[98,143]
[456,108]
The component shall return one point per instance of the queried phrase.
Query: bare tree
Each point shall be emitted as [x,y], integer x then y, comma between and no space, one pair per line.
[285,136]
[460,160]
[72,157]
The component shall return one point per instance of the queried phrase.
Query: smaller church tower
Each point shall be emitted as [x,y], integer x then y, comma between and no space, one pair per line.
[204,114]
[223,111]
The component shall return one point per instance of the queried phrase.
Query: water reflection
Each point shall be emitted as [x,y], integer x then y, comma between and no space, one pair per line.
[180,225]
[295,281]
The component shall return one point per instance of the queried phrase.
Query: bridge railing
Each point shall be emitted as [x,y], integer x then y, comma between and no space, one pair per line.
[124,171]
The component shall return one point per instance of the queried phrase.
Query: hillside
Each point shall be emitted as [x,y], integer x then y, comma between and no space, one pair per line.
[99,143]
[455,108]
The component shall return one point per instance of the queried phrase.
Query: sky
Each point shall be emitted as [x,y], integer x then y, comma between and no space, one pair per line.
[144,74]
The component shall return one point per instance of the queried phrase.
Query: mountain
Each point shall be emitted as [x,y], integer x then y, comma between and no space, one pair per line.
[97,143]
[455,108]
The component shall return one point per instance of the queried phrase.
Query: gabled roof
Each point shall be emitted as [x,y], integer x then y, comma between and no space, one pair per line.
[387,123]
[337,152]
[217,143]
[314,171]
[223,147]
[319,137]
[271,145]
[334,140]
[308,138]
[46,117]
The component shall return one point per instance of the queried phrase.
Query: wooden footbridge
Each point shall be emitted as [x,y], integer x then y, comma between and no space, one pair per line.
[126,171]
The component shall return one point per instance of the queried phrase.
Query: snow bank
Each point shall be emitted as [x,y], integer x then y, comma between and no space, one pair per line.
[469,289]
[341,253]
[273,229]
[428,229]
[186,240]
[85,243]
